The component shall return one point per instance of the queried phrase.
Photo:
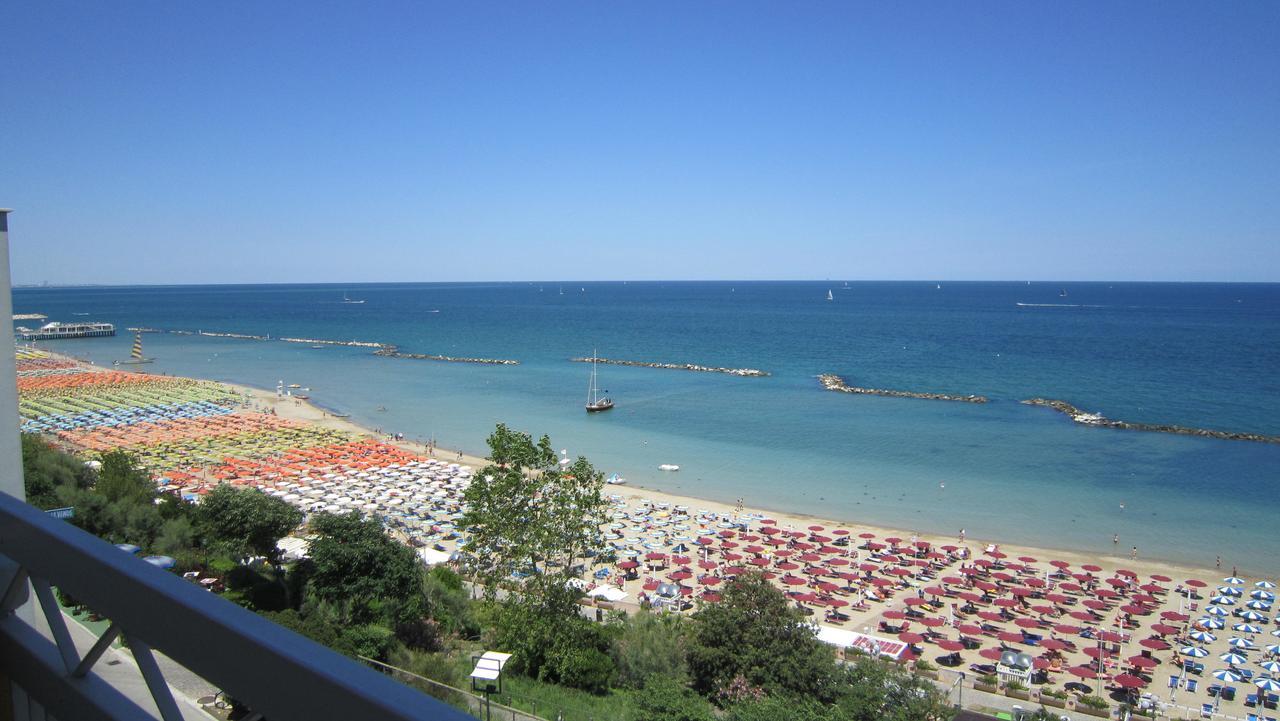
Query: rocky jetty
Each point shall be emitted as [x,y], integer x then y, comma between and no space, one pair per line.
[1101,421]
[146,330]
[833,382]
[745,372]
[348,343]
[392,352]
[241,336]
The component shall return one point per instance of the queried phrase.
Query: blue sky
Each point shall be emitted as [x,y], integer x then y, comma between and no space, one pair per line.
[153,142]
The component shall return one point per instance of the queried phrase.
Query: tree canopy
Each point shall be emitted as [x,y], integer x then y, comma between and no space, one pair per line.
[45,470]
[245,520]
[754,638]
[532,520]
[122,478]
[356,566]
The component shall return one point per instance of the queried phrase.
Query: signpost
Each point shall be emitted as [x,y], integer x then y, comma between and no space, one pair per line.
[63,513]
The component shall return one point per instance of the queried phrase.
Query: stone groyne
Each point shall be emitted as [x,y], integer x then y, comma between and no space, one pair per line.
[745,372]
[1101,421]
[145,330]
[240,336]
[390,351]
[833,382]
[348,343]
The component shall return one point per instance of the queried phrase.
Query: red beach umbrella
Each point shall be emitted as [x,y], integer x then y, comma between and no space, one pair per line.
[914,601]
[936,591]
[1026,559]
[1059,564]
[1126,573]
[1141,661]
[910,637]
[1111,637]
[708,565]
[680,560]
[793,581]
[1082,616]
[1056,598]
[895,615]
[815,529]
[628,564]
[1195,583]
[1161,578]
[841,532]
[1097,652]
[991,616]
[991,654]
[1163,629]
[969,629]
[1011,637]
[933,621]
[711,580]
[788,566]
[1126,680]
[1086,672]
[711,597]
[1053,644]
[1066,628]
[1154,644]
[951,645]
[1174,616]
[1026,623]
[1091,567]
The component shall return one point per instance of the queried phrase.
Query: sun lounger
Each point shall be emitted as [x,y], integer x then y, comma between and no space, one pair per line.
[1174,681]
[1251,700]
[1191,684]
[1206,710]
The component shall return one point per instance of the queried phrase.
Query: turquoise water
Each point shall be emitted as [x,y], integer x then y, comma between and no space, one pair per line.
[1200,355]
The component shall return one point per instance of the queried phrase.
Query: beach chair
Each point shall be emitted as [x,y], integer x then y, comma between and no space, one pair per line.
[1206,710]
[1215,689]
[1228,693]
[1252,717]
[1174,681]
[1251,700]
[1191,685]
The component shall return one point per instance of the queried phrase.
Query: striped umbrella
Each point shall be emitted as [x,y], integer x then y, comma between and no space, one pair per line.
[1273,649]
[1227,674]
[1246,628]
[1193,651]
[1202,636]
[1252,615]
[1230,591]
[1266,683]
[1240,643]
[1211,622]
[1265,584]
[1262,595]
[1234,659]
[1217,611]
[1223,600]
[1258,605]
[1270,666]
[1233,580]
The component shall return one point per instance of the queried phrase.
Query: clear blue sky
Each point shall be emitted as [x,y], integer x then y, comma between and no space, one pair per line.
[156,142]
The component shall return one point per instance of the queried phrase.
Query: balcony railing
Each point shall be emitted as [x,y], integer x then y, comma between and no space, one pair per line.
[275,672]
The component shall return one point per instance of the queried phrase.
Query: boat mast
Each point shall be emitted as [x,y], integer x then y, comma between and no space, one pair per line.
[591,390]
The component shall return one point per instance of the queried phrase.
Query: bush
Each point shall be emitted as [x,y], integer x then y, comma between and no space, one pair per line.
[645,644]
[664,699]
[1093,702]
[923,665]
[589,669]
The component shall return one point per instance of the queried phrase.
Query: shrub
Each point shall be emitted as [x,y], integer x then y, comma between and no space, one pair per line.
[1093,702]
[663,698]
[646,644]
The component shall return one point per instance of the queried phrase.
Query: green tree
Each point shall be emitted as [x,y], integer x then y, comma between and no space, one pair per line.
[754,634]
[646,643]
[772,708]
[243,521]
[448,602]
[356,567]
[46,470]
[121,478]
[872,689]
[531,521]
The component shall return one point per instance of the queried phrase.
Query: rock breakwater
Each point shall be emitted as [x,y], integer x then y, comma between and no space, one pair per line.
[391,352]
[833,382]
[347,343]
[745,372]
[1097,419]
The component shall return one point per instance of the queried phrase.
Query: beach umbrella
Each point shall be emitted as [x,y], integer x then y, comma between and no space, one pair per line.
[1262,595]
[1226,674]
[1233,580]
[1273,649]
[1265,584]
[1270,666]
[1155,644]
[1240,643]
[1246,628]
[1230,591]
[1211,622]
[1267,684]
[1233,658]
[1126,680]
[1193,651]
[1141,661]
[1217,611]
[1085,672]
[1202,636]
[1257,606]
[1223,600]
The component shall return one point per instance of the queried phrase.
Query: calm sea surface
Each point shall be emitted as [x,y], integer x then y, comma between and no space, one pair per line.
[1201,355]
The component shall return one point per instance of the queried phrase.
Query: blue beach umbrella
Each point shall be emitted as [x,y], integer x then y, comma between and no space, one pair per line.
[1262,595]
[1233,658]
[1193,651]
[1246,628]
[1217,611]
[1265,584]
[1223,600]
[1273,649]
[1211,622]
[1267,684]
[1233,580]
[1259,605]
[1252,616]
[1240,643]
[1276,632]
[1226,674]
[1230,591]
[1270,666]
[1202,636]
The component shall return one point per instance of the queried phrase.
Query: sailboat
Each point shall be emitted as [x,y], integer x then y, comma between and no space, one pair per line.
[596,402]
[135,357]
[351,301]
[829,296]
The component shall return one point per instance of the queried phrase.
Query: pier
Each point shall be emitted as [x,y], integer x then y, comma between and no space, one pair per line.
[744,372]
[392,352]
[1100,421]
[833,382]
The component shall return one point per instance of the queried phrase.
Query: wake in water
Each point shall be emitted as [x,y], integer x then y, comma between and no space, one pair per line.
[1059,305]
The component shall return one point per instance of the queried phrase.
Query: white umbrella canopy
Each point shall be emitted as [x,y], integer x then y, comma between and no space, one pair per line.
[1232,658]
[1193,651]
[1228,675]
[1267,684]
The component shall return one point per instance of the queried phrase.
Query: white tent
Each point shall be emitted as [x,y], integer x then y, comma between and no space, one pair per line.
[608,593]
[432,557]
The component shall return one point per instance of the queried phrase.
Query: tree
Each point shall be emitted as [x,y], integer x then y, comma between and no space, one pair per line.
[46,470]
[531,522]
[755,635]
[356,567]
[872,689]
[121,479]
[244,521]
[647,643]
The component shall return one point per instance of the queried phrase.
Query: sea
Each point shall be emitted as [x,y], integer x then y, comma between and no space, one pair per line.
[1200,355]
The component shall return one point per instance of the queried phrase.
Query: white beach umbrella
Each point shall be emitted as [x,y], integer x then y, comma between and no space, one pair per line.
[1233,580]
[1193,651]
[1262,595]
[1202,636]
[1228,675]
[1267,684]
[1217,611]
[1252,616]
[1259,605]
[1230,591]
[1265,584]
[1223,600]
[1240,643]
[1233,658]
[1246,628]
[1270,666]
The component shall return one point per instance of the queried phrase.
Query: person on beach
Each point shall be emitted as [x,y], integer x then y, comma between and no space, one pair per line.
[1115,539]
[962,535]
[1133,555]
[1217,563]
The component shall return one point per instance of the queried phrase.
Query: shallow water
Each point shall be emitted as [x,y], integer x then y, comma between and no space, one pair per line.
[1198,355]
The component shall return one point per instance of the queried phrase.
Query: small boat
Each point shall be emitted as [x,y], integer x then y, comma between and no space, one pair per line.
[668,467]
[829,296]
[135,357]
[1062,293]
[596,402]
[939,286]
[350,301]
[302,397]
[295,385]
[615,480]
[846,286]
